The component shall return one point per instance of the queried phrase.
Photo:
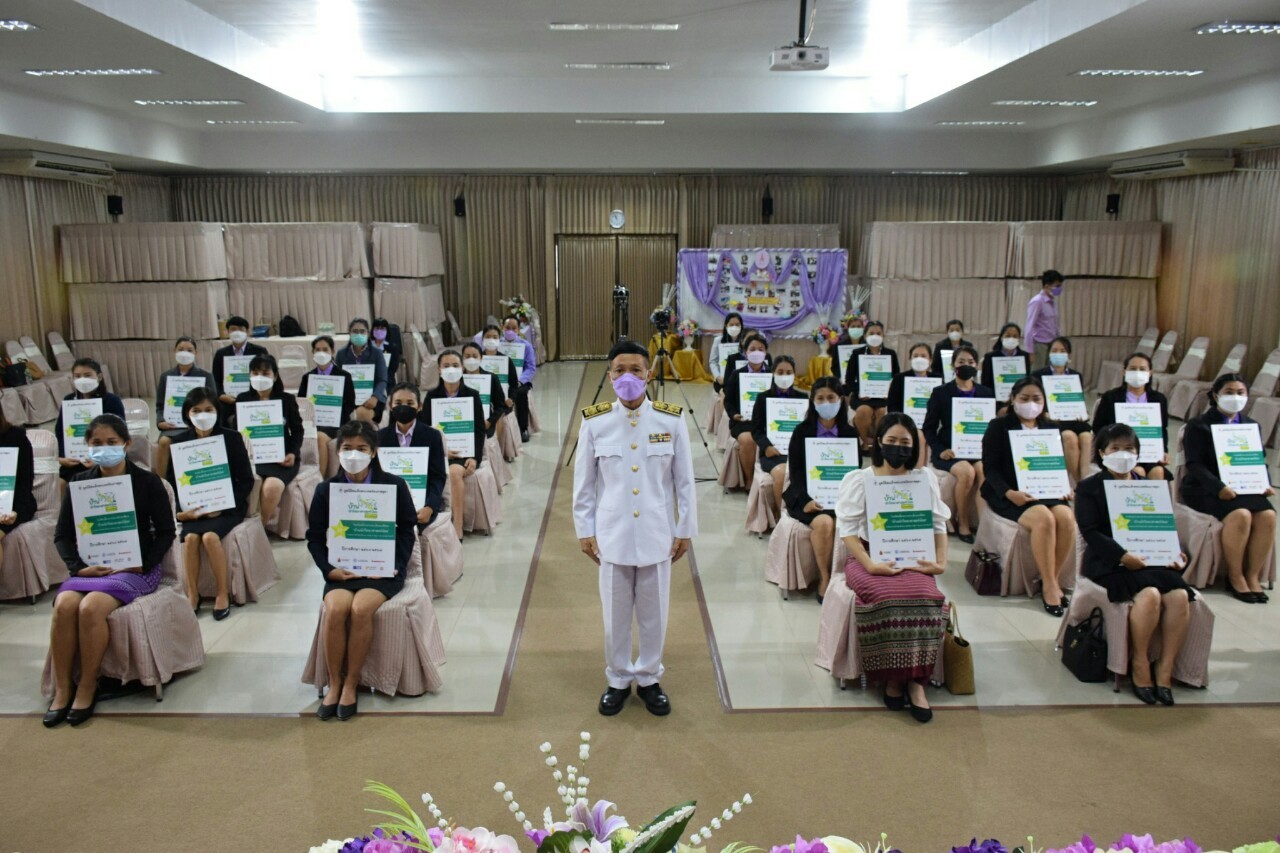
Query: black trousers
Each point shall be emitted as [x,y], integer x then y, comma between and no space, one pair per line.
[520,396]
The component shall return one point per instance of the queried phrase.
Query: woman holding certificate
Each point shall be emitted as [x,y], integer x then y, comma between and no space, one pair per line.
[910,390]
[1145,409]
[1026,481]
[110,566]
[362,566]
[472,365]
[328,376]
[1139,563]
[279,459]
[210,506]
[81,406]
[171,390]
[17,476]
[449,407]
[867,380]
[825,444]
[1065,398]
[1227,478]
[775,419]
[741,388]
[723,347]
[959,451]
[1013,364]
[894,523]
[955,338]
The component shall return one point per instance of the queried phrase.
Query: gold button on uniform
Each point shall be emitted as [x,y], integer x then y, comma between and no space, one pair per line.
[635,491]
[634,445]
[635,467]
[636,513]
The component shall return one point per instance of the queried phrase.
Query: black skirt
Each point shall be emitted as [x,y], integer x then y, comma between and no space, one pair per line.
[1078,427]
[806,518]
[768,463]
[221,525]
[1220,509]
[875,403]
[6,529]
[280,472]
[1122,585]
[387,586]
[1006,508]
[737,428]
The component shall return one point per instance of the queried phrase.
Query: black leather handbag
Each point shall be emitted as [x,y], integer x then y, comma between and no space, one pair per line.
[1084,649]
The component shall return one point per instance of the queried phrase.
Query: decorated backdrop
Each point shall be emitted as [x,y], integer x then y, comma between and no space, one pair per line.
[786,292]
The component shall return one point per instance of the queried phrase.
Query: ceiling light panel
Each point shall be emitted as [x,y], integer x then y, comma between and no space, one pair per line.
[618,66]
[611,27]
[90,72]
[249,121]
[649,122]
[17,26]
[197,102]
[979,123]
[1043,103]
[1140,72]
[1240,28]
[929,172]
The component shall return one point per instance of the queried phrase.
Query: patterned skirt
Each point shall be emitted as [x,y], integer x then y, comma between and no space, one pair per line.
[123,586]
[900,623]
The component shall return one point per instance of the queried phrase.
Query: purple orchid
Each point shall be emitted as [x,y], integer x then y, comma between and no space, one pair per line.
[1084,845]
[596,820]
[990,845]
[802,846]
[537,836]
[380,842]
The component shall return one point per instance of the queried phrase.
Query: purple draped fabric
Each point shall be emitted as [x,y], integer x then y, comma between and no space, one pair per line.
[820,291]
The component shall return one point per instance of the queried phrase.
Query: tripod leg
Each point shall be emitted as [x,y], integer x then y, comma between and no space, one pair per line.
[594,398]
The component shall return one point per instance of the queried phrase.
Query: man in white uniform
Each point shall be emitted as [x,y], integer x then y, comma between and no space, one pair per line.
[633,464]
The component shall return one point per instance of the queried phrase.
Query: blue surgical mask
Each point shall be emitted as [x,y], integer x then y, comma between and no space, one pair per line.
[107,455]
[359,339]
[1059,359]
[827,411]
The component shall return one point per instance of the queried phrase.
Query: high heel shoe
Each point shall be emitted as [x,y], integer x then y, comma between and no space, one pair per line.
[1145,694]
[1164,695]
[966,538]
[78,716]
[219,615]
[894,703]
[326,712]
[55,716]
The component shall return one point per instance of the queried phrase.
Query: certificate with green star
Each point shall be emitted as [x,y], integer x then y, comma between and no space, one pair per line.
[1039,463]
[262,424]
[875,375]
[826,462]
[106,522]
[326,393]
[916,391]
[1147,423]
[203,475]
[900,518]
[1065,398]
[362,529]
[1241,463]
[782,416]
[76,416]
[482,384]
[8,478]
[499,366]
[176,389]
[1141,513]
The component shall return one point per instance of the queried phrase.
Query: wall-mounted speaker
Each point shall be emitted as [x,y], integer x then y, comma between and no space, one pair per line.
[1113,203]
[459,206]
[115,205]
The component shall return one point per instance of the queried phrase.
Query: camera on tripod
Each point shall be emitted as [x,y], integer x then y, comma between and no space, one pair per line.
[661,319]
[620,294]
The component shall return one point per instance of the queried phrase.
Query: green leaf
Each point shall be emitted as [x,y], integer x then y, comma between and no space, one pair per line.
[671,837]
[404,819]
[558,842]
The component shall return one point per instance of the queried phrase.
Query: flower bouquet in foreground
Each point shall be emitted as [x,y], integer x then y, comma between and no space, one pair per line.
[1128,843]
[824,336]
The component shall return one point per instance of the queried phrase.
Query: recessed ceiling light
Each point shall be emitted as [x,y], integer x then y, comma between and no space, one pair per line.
[1043,103]
[618,66]
[639,121]
[929,172]
[198,102]
[1243,28]
[609,27]
[17,26]
[978,123]
[248,121]
[90,72]
[304,171]
[1140,72]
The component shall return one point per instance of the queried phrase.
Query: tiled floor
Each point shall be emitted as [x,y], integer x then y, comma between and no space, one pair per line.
[255,657]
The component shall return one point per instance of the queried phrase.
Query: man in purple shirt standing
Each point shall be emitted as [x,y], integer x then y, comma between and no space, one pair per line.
[1042,317]
[511,334]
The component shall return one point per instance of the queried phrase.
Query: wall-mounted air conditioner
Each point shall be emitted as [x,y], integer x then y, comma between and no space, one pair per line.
[1174,165]
[41,164]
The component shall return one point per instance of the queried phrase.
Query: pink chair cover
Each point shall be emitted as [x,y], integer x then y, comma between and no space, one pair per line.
[290,521]
[790,563]
[724,439]
[407,651]
[11,403]
[1190,397]
[251,564]
[442,563]
[31,562]
[1192,362]
[762,512]
[483,510]
[38,402]
[1012,542]
[947,488]
[501,470]
[509,442]
[535,423]
[731,474]
[715,414]
[838,652]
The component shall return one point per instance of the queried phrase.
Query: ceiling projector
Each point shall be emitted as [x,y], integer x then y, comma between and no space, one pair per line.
[799,58]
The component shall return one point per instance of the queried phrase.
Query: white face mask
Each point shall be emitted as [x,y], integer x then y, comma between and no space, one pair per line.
[204,421]
[451,374]
[757,356]
[1136,378]
[354,461]
[1121,462]
[471,364]
[238,337]
[732,331]
[919,364]
[184,357]
[1028,411]
[321,358]
[85,384]
[1009,343]
[261,383]
[1232,403]
[954,337]
[875,340]
[491,344]
[784,380]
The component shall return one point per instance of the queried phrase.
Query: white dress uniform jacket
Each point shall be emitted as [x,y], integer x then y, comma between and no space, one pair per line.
[632,467]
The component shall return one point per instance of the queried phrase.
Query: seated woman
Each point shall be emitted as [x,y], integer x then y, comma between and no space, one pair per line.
[86,375]
[265,384]
[322,352]
[1161,598]
[351,601]
[88,597]
[1248,521]
[202,414]
[489,340]
[920,366]
[772,458]
[828,417]
[738,360]
[868,411]
[460,466]
[732,329]
[1137,389]
[406,430]
[1049,521]
[756,357]
[1008,345]
[24,498]
[955,338]
[497,402]
[853,334]
[1077,436]
[184,353]
[901,614]
[937,432]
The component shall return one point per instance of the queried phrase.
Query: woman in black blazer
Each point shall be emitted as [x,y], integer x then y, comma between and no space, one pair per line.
[773,458]
[1161,598]
[755,356]
[828,417]
[202,414]
[24,499]
[322,352]
[868,411]
[1049,521]
[276,476]
[1077,436]
[1008,345]
[937,432]
[350,602]
[492,333]
[404,403]
[497,400]
[1248,521]
[955,338]
[919,366]
[460,467]
[87,376]
[1136,389]
[851,336]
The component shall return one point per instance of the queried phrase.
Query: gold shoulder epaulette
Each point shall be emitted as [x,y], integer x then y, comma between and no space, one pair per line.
[598,409]
[668,408]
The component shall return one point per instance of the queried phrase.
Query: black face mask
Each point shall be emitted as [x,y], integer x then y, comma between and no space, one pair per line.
[897,455]
[404,414]
[966,372]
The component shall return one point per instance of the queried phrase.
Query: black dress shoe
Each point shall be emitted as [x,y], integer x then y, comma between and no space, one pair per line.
[77,716]
[326,712]
[219,615]
[966,538]
[1164,694]
[524,436]
[655,700]
[55,716]
[1261,597]
[1055,610]
[613,700]
[1247,597]
[1146,694]
[920,715]
[346,712]
[894,703]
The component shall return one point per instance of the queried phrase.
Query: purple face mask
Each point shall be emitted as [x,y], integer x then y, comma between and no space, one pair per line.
[510,335]
[1057,291]
[628,387]
[379,335]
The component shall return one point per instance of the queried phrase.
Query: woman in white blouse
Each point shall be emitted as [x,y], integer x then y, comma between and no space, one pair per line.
[901,615]
[729,341]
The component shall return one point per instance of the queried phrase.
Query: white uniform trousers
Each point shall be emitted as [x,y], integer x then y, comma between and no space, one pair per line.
[644,591]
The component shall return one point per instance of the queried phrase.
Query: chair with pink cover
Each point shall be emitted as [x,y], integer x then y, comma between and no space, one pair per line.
[137,416]
[1263,405]
[1189,368]
[251,563]
[31,562]
[483,507]
[762,510]
[1190,397]
[441,555]
[1012,542]
[290,520]
[509,438]
[790,563]
[501,470]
